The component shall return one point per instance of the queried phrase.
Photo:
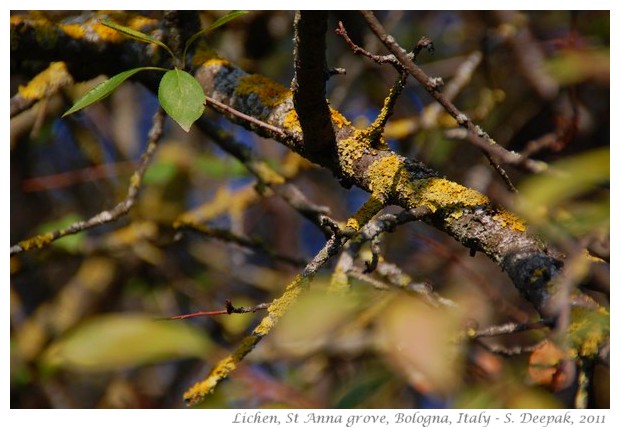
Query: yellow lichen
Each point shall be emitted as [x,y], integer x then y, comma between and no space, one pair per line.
[47,82]
[135,181]
[291,121]
[385,174]
[270,93]
[338,119]
[370,208]
[588,330]
[75,31]
[212,62]
[225,366]
[457,214]
[139,22]
[279,306]
[510,220]
[537,274]
[268,175]
[349,151]
[438,193]
[108,34]
[200,390]
[37,242]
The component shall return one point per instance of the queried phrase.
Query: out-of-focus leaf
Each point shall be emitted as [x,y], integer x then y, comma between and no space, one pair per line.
[572,67]
[118,341]
[505,392]
[585,217]
[361,390]
[71,243]
[314,321]
[532,398]
[545,366]
[160,173]
[588,330]
[419,341]
[478,397]
[398,129]
[567,179]
[219,168]
[104,89]
[182,97]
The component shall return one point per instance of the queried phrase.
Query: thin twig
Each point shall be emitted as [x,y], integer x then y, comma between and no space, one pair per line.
[510,351]
[69,178]
[423,43]
[433,87]
[229,236]
[395,277]
[584,375]
[250,121]
[290,193]
[461,77]
[508,328]
[106,216]
[276,310]
[229,310]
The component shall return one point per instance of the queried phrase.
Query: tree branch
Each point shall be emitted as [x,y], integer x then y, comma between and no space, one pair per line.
[464,214]
[475,134]
[308,85]
[107,216]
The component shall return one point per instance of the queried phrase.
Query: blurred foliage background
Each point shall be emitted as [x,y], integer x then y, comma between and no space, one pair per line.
[85,312]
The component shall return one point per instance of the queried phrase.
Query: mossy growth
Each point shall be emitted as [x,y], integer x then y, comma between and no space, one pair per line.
[75,31]
[227,365]
[37,242]
[510,220]
[47,82]
[270,94]
[366,212]
[588,329]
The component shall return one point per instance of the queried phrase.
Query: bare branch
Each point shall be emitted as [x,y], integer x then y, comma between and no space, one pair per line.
[308,85]
[107,216]
[316,214]
[262,127]
[423,43]
[230,309]
[476,134]
[508,328]
[229,236]
[275,312]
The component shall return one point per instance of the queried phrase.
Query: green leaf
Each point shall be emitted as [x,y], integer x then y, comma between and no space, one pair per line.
[136,35]
[160,173]
[182,97]
[104,89]
[573,67]
[118,341]
[218,23]
[568,179]
[362,389]
[219,168]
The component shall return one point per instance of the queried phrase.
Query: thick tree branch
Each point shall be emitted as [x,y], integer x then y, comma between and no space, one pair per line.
[308,85]
[466,215]
[463,213]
